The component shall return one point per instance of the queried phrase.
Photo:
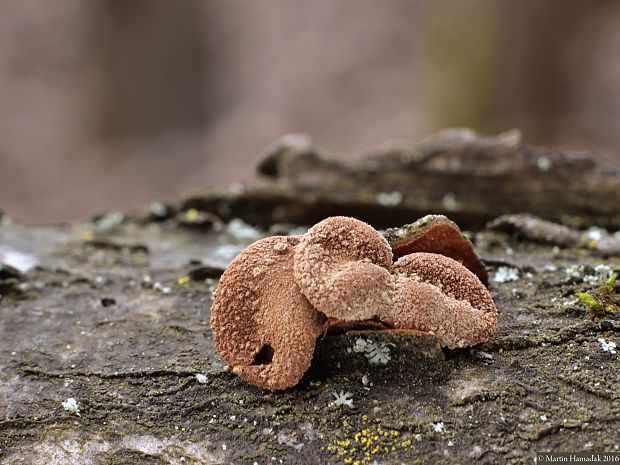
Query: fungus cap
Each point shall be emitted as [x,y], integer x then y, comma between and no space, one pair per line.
[436,293]
[263,326]
[436,234]
[342,267]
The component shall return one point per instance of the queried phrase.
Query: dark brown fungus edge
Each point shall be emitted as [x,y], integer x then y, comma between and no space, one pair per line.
[436,234]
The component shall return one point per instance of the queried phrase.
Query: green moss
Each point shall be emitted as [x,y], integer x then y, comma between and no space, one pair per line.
[603,300]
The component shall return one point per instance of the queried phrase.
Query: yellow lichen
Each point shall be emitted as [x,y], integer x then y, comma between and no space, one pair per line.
[87,235]
[367,441]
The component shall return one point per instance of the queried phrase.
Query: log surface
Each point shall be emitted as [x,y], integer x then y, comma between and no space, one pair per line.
[115,314]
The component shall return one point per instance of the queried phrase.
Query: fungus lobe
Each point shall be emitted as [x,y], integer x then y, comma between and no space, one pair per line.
[436,293]
[342,266]
[263,326]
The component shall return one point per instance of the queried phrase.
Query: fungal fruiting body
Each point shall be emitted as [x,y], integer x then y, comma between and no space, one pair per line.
[276,296]
[345,269]
[262,324]
[342,267]
[437,294]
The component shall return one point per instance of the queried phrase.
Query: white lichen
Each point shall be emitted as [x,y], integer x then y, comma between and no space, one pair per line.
[20,260]
[240,230]
[450,203]
[109,221]
[505,274]
[389,199]
[597,275]
[298,231]
[607,346]
[161,288]
[296,141]
[438,427]
[202,379]
[71,406]
[544,164]
[574,272]
[377,354]
[342,398]
[224,254]
[289,440]
[601,274]
[594,234]
[158,209]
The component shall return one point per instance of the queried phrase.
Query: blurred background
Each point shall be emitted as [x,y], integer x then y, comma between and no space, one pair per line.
[108,104]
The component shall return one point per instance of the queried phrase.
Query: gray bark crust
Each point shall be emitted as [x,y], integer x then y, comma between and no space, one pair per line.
[115,314]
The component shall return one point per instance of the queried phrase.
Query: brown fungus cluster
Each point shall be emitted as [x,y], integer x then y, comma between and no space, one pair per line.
[280,293]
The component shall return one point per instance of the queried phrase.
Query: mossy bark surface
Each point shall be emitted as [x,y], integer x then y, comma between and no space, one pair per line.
[113,323]
[115,314]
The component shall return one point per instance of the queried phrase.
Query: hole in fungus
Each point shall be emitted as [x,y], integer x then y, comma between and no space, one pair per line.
[264,355]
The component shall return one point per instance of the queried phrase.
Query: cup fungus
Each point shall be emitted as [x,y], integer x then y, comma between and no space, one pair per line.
[276,296]
[437,294]
[342,267]
[262,324]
